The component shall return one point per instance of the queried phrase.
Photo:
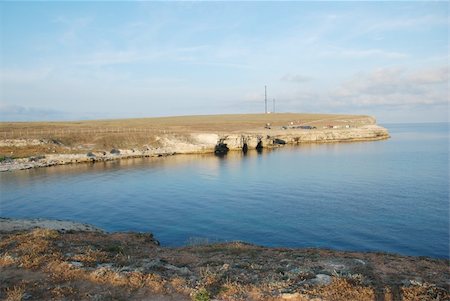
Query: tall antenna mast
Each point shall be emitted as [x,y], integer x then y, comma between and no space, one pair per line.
[265,98]
[273,110]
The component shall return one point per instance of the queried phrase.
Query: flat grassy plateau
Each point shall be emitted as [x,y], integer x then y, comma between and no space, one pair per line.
[102,135]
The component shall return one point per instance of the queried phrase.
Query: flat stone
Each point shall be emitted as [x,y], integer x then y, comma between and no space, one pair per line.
[76,264]
[12,225]
[290,296]
[360,261]
[320,279]
[105,265]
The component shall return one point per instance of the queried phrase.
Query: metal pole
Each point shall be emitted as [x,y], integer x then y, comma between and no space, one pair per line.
[265,98]
[273,110]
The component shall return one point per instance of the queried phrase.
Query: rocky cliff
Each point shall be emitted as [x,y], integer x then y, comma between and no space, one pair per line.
[198,143]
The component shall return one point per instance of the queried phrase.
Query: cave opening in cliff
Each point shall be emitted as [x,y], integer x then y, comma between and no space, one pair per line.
[259,147]
[245,148]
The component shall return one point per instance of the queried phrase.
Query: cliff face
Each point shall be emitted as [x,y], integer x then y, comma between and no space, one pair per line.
[294,136]
[200,143]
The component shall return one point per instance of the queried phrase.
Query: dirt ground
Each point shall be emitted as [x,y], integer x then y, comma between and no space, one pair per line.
[44,264]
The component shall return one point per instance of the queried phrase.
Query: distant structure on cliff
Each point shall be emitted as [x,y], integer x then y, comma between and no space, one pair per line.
[265,99]
[265,102]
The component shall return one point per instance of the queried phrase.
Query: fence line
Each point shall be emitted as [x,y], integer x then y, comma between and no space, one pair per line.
[27,133]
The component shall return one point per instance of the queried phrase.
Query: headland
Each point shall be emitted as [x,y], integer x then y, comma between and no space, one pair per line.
[25,145]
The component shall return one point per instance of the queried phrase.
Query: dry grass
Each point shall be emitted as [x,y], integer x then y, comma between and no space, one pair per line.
[156,283]
[39,263]
[343,290]
[6,260]
[62,292]
[185,123]
[63,271]
[89,255]
[236,291]
[423,292]
[15,293]
[35,248]
[180,285]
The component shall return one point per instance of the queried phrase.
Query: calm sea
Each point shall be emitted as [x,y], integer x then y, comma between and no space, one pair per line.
[390,195]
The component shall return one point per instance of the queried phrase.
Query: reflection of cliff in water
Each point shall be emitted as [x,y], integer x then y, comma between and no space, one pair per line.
[149,164]
[168,162]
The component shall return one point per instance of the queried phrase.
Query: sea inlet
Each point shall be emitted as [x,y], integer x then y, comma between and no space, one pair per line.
[390,195]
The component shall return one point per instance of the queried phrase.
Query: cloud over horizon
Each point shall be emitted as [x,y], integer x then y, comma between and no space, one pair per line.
[396,87]
[168,58]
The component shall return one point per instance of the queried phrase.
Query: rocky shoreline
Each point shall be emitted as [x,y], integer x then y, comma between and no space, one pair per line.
[193,143]
[8,225]
[58,260]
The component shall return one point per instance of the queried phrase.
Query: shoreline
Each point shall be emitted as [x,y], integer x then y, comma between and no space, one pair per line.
[193,143]
[15,225]
[87,259]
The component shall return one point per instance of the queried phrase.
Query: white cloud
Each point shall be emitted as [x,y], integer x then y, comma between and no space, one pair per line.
[395,87]
[114,57]
[431,76]
[296,78]
[363,53]
[408,22]
[72,28]
[12,76]
[21,113]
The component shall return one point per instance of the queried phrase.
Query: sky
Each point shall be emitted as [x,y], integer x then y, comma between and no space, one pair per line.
[99,60]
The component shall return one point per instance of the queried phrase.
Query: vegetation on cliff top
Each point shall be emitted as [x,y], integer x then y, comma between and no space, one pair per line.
[40,138]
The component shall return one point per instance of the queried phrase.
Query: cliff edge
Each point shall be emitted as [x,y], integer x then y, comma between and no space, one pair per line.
[68,143]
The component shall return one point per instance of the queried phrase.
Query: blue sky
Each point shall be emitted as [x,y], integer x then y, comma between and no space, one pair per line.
[90,60]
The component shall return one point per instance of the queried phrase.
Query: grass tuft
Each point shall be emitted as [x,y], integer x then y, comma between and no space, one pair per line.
[15,293]
[6,260]
[201,295]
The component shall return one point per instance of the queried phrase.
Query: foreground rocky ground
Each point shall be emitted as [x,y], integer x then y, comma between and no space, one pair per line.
[65,263]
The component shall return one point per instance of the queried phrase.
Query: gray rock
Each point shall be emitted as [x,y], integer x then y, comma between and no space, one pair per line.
[154,264]
[115,151]
[299,272]
[320,279]
[221,148]
[105,265]
[129,269]
[76,264]
[36,158]
[12,225]
[182,271]
[360,261]
[279,141]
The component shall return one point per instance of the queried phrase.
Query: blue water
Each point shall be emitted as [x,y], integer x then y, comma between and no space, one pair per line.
[390,195]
